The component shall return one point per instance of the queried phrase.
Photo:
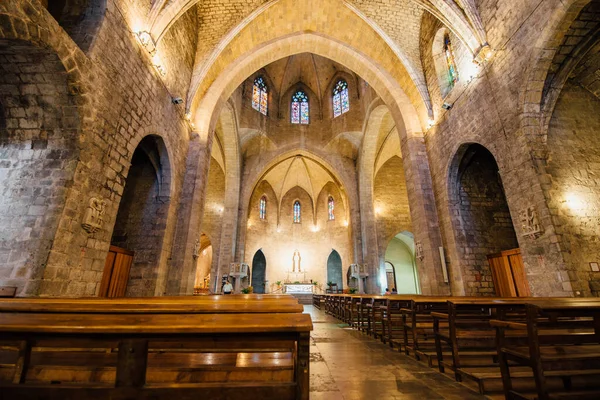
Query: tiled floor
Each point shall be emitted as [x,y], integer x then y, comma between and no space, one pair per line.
[346,364]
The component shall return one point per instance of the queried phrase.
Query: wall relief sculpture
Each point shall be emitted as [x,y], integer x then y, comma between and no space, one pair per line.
[93,219]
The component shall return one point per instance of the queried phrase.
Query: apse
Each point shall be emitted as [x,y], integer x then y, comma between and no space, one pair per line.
[297,214]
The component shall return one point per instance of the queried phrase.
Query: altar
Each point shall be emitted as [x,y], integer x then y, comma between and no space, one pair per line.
[298,288]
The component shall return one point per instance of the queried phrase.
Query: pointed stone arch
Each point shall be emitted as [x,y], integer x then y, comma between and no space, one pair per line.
[259,271]
[335,269]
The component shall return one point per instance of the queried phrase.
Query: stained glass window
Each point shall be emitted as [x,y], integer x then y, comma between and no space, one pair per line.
[299,108]
[341,102]
[330,208]
[297,212]
[262,210]
[260,99]
[452,71]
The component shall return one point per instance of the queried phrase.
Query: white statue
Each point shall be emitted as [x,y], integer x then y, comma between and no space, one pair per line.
[296,261]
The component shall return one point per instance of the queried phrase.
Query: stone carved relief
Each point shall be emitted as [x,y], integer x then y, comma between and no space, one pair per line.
[419,250]
[94,215]
[530,223]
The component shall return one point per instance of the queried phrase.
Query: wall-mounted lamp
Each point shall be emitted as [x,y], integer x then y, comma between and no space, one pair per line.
[430,123]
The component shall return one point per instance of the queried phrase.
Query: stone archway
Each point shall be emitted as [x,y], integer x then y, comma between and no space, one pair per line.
[482,221]
[142,217]
[39,157]
[334,269]
[259,272]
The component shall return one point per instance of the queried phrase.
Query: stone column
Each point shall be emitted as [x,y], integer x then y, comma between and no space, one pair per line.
[189,219]
[424,216]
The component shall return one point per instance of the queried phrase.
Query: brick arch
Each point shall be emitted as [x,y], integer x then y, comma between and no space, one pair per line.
[81,19]
[42,31]
[39,135]
[257,175]
[532,94]
[465,23]
[252,49]
[473,273]
[161,158]
[250,183]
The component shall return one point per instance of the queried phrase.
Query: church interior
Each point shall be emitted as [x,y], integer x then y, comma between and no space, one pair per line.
[325,199]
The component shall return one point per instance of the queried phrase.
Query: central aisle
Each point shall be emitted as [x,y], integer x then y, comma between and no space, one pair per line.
[346,364]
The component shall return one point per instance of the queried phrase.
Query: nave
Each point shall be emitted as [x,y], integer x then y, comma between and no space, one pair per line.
[348,365]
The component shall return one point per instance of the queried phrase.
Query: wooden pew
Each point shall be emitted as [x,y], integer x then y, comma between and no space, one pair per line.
[363,312]
[145,342]
[467,344]
[417,324]
[318,301]
[393,321]
[184,305]
[559,339]
[465,340]
[373,312]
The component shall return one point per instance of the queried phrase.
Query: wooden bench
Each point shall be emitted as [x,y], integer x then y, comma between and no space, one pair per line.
[417,325]
[151,347]
[465,340]
[393,321]
[318,301]
[558,339]
[183,305]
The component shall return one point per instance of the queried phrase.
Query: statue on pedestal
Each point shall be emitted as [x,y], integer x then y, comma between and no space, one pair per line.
[296,261]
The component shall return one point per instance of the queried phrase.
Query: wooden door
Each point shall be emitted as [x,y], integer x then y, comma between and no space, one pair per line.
[116,272]
[508,274]
[518,272]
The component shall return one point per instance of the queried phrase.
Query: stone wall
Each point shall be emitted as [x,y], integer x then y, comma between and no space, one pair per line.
[574,194]
[120,99]
[392,211]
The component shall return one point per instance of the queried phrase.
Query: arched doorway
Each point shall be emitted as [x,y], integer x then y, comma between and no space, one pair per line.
[203,263]
[390,274]
[334,269]
[141,222]
[400,265]
[259,268]
[482,222]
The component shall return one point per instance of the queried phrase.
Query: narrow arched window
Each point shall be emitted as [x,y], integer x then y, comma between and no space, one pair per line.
[341,102]
[260,99]
[297,212]
[331,208]
[299,108]
[450,62]
[262,208]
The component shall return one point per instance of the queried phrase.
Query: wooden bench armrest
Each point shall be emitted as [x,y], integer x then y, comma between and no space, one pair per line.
[439,315]
[507,324]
